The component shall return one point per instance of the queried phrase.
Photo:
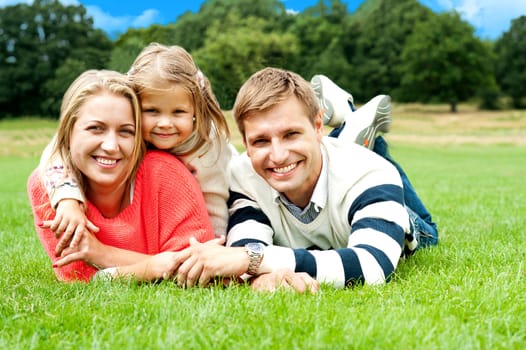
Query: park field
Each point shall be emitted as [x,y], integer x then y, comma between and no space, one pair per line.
[469,292]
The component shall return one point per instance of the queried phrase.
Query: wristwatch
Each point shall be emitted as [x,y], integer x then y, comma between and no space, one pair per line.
[255,252]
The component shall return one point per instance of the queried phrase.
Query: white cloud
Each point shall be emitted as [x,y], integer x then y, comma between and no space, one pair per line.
[146,18]
[490,17]
[103,19]
[110,23]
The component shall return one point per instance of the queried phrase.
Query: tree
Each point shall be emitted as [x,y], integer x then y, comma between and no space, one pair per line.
[190,28]
[235,48]
[442,61]
[322,32]
[510,65]
[34,42]
[381,30]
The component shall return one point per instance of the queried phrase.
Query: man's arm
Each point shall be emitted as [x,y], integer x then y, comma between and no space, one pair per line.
[377,218]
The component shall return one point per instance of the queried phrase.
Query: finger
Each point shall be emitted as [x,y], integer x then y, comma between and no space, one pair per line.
[204,276]
[182,272]
[219,240]
[62,227]
[194,274]
[68,259]
[77,235]
[91,227]
[55,223]
[193,241]
[61,245]
[315,286]
[46,223]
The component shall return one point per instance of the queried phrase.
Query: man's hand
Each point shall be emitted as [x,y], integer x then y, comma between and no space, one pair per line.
[201,262]
[300,282]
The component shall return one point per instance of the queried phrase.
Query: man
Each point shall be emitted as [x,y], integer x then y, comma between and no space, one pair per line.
[304,208]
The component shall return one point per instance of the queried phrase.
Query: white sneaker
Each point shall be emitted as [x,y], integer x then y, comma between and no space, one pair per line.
[333,100]
[362,125]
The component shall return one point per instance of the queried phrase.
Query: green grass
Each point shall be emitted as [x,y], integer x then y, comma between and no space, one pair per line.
[469,292]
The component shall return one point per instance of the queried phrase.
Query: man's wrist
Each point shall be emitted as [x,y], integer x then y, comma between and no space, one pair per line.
[255,252]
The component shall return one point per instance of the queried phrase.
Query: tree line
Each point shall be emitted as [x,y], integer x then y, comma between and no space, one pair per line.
[395,47]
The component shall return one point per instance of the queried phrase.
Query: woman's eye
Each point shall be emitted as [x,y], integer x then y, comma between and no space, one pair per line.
[94,128]
[128,132]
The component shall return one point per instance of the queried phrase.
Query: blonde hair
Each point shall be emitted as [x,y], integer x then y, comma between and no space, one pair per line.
[269,87]
[88,84]
[159,66]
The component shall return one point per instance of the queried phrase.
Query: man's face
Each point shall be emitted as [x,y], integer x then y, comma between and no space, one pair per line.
[284,148]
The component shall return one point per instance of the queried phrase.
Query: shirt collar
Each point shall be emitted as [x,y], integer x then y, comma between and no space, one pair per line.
[319,196]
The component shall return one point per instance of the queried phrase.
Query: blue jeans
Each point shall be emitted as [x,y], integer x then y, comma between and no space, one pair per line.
[422,225]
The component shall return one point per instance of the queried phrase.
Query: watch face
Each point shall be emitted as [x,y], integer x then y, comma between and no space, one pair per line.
[257,248]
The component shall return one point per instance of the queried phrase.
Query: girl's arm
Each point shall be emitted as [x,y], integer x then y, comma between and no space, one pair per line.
[66,197]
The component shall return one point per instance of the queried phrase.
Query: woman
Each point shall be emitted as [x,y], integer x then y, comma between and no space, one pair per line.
[143,206]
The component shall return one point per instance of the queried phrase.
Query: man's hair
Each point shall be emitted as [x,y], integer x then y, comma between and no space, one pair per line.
[269,87]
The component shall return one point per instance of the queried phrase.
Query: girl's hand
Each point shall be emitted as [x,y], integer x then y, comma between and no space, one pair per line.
[69,222]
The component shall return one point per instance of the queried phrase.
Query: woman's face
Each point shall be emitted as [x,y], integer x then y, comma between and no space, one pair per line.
[102,141]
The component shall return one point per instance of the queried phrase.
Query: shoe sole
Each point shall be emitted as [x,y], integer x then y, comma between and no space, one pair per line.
[325,105]
[381,123]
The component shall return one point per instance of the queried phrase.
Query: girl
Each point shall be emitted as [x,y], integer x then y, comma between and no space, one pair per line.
[181,115]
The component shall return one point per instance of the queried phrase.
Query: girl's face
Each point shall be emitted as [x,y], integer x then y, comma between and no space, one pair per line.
[102,140]
[167,117]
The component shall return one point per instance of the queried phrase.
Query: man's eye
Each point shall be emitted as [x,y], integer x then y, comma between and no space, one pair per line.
[259,142]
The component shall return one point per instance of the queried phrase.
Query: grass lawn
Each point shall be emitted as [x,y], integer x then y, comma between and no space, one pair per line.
[469,292]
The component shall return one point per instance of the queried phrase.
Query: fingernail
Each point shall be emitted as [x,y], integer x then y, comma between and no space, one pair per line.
[40,223]
[55,265]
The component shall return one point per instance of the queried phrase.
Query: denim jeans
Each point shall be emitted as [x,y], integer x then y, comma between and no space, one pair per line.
[422,225]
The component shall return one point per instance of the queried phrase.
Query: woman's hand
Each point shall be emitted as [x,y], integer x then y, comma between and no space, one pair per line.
[69,222]
[89,249]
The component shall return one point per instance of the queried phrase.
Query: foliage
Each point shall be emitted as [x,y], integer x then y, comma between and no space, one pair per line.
[384,28]
[443,62]
[237,47]
[511,63]
[35,41]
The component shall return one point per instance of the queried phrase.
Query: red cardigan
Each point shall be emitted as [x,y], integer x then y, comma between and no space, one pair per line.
[167,209]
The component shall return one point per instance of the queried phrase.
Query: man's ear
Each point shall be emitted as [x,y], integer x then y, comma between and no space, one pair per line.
[245,145]
[318,123]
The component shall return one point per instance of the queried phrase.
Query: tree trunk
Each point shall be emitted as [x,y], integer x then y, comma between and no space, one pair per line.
[453,106]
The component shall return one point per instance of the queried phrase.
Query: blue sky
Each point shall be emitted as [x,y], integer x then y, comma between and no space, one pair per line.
[489,17]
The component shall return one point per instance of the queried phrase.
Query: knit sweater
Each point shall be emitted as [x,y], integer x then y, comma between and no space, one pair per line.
[208,166]
[357,236]
[166,210]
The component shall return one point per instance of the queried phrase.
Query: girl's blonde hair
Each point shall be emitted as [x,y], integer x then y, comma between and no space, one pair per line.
[159,66]
[269,87]
[88,84]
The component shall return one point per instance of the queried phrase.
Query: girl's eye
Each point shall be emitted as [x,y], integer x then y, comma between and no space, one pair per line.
[149,110]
